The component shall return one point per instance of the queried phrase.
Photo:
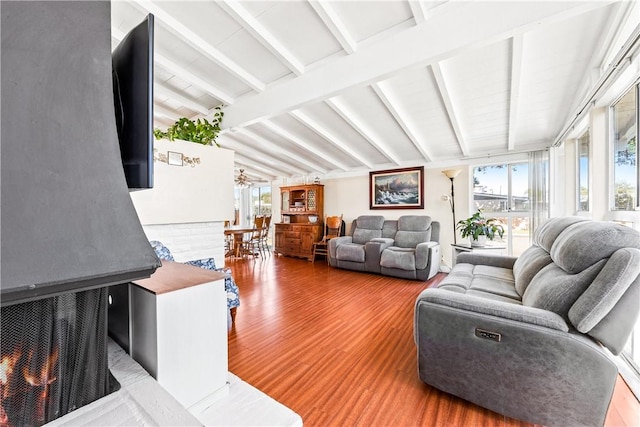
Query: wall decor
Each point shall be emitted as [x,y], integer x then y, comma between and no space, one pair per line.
[174,158]
[397,188]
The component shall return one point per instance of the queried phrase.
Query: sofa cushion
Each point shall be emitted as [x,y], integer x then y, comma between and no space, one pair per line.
[401,258]
[556,290]
[528,265]
[583,244]
[549,231]
[617,276]
[414,222]
[350,252]
[367,228]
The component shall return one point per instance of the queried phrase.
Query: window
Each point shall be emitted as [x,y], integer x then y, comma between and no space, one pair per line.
[583,172]
[625,153]
[502,191]
[261,200]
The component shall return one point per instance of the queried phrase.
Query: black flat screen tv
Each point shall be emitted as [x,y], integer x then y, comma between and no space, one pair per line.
[132,73]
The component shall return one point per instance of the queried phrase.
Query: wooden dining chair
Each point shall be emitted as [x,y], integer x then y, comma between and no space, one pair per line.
[332,228]
[264,245]
[251,244]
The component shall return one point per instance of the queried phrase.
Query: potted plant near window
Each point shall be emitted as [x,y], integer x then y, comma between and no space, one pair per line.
[479,229]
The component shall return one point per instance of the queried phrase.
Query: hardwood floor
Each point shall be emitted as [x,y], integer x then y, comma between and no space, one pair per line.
[337,347]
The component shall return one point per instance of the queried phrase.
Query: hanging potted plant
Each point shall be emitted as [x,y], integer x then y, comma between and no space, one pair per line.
[479,229]
[201,131]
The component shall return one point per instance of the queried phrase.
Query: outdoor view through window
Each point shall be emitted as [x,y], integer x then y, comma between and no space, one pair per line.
[502,192]
[625,152]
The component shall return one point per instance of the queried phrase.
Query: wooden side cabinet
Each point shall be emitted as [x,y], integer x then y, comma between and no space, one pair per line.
[302,212]
[296,239]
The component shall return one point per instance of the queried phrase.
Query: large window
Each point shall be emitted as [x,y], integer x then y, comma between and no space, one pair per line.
[625,153]
[502,191]
[583,173]
[261,200]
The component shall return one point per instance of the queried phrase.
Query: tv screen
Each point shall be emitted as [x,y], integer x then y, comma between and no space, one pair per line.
[133,101]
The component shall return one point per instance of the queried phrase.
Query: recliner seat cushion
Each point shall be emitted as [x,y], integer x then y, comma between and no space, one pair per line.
[350,252]
[401,258]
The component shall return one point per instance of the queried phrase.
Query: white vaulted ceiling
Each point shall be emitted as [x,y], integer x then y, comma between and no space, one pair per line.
[332,87]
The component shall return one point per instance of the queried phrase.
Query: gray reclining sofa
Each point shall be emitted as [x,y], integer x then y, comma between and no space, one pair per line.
[407,247]
[532,337]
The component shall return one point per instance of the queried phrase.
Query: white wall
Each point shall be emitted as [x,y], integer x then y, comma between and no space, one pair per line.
[181,194]
[187,206]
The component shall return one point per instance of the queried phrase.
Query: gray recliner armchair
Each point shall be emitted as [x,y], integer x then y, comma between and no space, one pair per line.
[415,253]
[532,337]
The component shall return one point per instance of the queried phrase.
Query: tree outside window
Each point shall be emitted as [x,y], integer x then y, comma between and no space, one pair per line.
[625,153]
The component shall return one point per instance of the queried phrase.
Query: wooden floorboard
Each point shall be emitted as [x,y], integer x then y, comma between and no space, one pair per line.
[337,347]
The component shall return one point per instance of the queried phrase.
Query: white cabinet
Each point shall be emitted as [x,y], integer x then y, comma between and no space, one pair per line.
[179,330]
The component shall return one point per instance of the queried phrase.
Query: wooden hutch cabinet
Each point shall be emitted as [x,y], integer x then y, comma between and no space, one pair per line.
[296,233]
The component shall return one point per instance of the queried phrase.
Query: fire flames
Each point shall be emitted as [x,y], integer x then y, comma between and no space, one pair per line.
[32,386]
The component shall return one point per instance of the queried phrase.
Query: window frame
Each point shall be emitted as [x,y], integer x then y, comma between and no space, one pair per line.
[578,181]
[623,214]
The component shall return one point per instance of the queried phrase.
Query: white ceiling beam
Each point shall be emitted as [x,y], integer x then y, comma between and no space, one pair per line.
[278,130]
[159,111]
[260,157]
[277,149]
[448,105]
[393,109]
[516,77]
[259,32]
[191,78]
[330,137]
[183,73]
[407,49]
[241,159]
[162,90]
[165,112]
[335,25]
[361,127]
[187,34]
[418,10]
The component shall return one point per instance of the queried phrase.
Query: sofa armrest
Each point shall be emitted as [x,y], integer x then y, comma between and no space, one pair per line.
[428,257]
[384,242]
[503,261]
[337,241]
[484,306]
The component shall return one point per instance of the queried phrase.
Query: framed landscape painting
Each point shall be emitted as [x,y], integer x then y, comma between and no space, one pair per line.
[397,189]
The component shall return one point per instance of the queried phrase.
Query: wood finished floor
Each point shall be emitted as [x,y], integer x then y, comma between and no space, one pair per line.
[337,348]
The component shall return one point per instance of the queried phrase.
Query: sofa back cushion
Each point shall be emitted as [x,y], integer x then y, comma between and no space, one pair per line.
[554,289]
[609,308]
[549,231]
[585,243]
[367,228]
[528,265]
[412,229]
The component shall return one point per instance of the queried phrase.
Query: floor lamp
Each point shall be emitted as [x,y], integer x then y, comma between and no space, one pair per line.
[451,174]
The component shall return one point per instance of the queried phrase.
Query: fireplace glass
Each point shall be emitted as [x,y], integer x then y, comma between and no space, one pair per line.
[53,357]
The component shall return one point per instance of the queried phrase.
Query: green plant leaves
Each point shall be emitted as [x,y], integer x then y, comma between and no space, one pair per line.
[200,131]
[478,225]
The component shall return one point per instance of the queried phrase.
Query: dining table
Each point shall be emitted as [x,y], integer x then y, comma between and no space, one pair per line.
[237,231]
